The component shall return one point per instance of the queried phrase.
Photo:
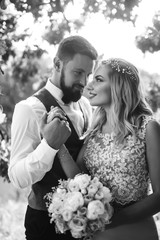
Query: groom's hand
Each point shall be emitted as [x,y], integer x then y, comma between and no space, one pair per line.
[55,131]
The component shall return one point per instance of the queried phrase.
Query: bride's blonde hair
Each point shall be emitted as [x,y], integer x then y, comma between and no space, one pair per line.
[128,104]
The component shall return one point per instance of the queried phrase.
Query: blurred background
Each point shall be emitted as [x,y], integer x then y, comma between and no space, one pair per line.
[29,34]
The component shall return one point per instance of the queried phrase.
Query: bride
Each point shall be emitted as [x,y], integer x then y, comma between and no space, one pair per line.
[122,150]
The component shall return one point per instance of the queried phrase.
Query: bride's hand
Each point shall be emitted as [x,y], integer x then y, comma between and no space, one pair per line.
[56,112]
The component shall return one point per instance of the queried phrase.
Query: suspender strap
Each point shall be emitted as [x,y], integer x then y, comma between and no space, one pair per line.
[48,100]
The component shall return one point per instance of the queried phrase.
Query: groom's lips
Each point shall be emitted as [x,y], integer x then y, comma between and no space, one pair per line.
[79,87]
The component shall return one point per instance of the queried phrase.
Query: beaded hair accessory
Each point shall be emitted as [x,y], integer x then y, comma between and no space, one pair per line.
[120,66]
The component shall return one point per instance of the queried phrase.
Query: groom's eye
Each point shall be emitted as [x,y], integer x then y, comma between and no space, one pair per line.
[77,73]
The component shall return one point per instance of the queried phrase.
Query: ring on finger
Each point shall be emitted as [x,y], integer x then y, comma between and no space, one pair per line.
[65,122]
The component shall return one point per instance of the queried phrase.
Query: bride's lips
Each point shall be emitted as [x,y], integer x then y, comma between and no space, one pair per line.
[92,95]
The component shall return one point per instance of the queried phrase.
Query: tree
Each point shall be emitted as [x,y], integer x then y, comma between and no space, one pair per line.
[56,9]
[23,69]
[4,138]
[149,41]
[154,96]
[151,87]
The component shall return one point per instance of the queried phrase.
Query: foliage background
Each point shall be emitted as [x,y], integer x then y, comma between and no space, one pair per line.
[26,65]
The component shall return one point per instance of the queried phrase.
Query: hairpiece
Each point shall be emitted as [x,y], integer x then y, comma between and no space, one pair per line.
[120,66]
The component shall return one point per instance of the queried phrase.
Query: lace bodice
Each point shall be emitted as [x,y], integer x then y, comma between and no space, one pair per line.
[123,170]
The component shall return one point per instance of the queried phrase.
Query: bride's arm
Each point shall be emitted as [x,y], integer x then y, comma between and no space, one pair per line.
[70,167]
[151,204]
[80,159]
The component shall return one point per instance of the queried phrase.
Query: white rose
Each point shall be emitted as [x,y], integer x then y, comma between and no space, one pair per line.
[67,214]
[99,195]
[77,224]
[95,208]
[84,191]
[61,225]
[59,195]
[92,189]
[51,208]
[76,234]
[108,211]
[82,211]
[82,180]
[56,205]
[73,200]
[73,186]
[61,191]
[95,180]
[87,199]
[107,194]
[96,225]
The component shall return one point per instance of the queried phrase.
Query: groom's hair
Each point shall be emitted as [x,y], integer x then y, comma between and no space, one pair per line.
[73,45]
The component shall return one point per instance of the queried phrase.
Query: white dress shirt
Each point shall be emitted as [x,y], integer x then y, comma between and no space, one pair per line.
[31,156]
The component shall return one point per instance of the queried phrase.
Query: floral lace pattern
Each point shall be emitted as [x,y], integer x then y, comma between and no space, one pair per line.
[123,170]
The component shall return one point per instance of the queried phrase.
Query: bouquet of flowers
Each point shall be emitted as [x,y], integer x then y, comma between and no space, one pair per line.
[81,205]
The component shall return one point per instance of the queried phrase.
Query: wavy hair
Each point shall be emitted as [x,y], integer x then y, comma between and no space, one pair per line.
[128,105]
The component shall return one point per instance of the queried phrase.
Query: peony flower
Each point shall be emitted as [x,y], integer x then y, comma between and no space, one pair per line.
[108,211]
[61,191]
[82,180]
[95,208]
[76,234]
[67,214]
[99,195]
[95,180]
[51,208]
[87,199]
[96,225]
[92,189]
[56,206]
[74,200]
[73,186]
[84,191]
[82,211]
[77,224]
[107,194]
[60,224]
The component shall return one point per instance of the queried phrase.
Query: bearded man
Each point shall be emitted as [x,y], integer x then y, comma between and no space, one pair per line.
[36,140]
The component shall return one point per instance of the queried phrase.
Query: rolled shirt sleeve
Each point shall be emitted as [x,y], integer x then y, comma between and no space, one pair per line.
[31,156]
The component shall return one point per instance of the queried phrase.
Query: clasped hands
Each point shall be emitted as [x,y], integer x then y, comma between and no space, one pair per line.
[55,127]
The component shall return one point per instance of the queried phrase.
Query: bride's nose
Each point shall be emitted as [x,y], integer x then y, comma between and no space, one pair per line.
[89,86]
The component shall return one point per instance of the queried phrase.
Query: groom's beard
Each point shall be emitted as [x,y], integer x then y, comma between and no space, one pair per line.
[70,94]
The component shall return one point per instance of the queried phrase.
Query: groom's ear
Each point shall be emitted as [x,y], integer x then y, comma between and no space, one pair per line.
[57,64]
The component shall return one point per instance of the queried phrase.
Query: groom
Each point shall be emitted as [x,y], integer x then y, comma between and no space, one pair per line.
[35,142]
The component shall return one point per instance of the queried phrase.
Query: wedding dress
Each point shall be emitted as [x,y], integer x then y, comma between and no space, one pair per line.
[124,170]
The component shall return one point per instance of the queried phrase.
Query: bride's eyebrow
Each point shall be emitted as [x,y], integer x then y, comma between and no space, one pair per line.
[99,76]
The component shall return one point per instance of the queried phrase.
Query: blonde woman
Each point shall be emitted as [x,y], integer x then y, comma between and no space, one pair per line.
[122,150]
